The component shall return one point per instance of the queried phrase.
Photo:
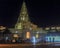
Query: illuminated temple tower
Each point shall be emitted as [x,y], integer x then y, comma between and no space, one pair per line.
[23,21]
[24,27]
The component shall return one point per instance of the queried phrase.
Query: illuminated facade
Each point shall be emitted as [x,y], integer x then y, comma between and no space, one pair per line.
[24,26]
[27,30]
[52,28]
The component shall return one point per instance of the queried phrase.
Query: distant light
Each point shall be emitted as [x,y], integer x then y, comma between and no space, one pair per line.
[37,32]
[6,38]
[2,27]
[16,32]
[57,27]
[15,35]
[28,35]
[37,35]
[14,40]
[52,27]
[47,28]
[34,40]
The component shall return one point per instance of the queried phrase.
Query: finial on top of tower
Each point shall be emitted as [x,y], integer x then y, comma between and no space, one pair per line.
[24,4]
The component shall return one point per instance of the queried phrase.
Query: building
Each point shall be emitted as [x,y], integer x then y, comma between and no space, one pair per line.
[24,26]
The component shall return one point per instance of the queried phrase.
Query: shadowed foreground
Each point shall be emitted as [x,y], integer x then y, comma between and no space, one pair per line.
[25,46]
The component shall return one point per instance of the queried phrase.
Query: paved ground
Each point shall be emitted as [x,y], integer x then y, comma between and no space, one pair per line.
[26,46]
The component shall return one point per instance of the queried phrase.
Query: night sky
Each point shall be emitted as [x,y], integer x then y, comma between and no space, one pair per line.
[41,12]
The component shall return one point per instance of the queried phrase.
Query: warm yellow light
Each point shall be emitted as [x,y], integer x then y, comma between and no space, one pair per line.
[57,27]
[28,35]
[2,27]
[14,40]
[52,27]
[37,35]
[47,28]
[15,35]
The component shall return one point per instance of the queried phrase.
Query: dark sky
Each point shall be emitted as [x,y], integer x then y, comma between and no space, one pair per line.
[41,12]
